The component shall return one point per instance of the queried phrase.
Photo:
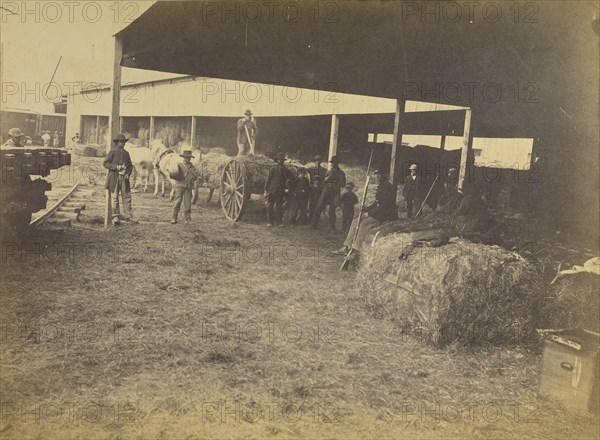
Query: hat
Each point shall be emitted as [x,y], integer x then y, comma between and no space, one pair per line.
[279,156]
[317,157]
[334,160]
[413,166]
[452,172]
[248,112]
[186,153]
[120,137]
[15,132]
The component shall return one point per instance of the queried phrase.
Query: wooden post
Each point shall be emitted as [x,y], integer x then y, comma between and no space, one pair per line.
[333,136]
[397,140]
[151,128]
[443,143]
[374,138]
[116,91]
[97,129]
[464,155]
[120,124]
[193,133]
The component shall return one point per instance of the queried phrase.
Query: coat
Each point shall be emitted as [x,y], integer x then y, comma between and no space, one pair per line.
[385,207]
[252,129]
[276,180]
[412,188]
[117,156]
[191,174]
[335,180]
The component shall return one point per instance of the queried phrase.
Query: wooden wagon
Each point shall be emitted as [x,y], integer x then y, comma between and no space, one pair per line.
[242,176]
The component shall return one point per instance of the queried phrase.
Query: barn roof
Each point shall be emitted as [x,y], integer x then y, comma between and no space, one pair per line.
[528,72]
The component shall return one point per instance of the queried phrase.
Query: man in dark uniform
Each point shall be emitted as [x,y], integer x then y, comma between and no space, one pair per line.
[247,122]
[334,181]
[118,163]
[316,176]
[275,190]
[412,191]
[384,208]
[298,197]
[16,138]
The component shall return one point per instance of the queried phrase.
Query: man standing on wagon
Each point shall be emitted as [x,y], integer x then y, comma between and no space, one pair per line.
[246,126]
[119,166]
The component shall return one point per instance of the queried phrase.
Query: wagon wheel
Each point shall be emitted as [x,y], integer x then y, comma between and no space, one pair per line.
[234,190]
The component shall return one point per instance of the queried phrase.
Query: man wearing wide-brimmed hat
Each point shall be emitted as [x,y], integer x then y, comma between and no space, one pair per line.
[316,175]
[118,163]
[275,190]
[334,181]
[16,138]
[183,189]
[246,126]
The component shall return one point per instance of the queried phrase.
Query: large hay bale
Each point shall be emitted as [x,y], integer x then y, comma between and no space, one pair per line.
[573,301]
[210,167]
[462,292]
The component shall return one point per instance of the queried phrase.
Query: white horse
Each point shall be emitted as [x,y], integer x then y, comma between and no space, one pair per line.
[168,164]
[141,158]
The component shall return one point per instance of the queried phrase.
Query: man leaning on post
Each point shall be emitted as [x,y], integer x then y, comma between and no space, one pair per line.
[118,163]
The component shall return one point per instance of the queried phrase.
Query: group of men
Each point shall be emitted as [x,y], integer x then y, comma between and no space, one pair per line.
[119,166]
[309,192]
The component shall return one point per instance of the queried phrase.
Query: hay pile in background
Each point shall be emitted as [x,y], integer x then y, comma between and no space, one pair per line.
[463,292]
[573,301]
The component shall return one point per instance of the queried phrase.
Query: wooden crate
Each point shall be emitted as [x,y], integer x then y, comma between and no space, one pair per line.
[570,369]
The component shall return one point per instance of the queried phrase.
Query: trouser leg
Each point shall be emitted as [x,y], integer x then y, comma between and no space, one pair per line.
[187,203]
[126,192]
[302,208]
[292,209]
[332,209]
[409,208]
[116,213]
[270,206]
[177,202]
[351,232]
[317,213]
[279,209]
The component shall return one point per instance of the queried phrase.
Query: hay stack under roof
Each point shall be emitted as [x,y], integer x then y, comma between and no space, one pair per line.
[463,292]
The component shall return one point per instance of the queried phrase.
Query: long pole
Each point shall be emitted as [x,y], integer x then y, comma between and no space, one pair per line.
[249,139]
[427,196]
[344,265]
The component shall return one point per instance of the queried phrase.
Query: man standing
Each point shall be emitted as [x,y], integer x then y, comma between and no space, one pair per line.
[384,208]
[183,189]
[298,197]
[119,166]
[275,190]
[451,197]
[316,177]
[412,191]
[46,138]
[334,181]
[246,126]
[16,138]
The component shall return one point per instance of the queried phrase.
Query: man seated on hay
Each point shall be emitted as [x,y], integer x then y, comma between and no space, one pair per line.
[384,208]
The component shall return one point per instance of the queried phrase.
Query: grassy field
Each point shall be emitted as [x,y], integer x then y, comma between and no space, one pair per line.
[220,330]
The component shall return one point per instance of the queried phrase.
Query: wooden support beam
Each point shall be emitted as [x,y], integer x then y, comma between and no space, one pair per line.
[98,129]
[121,124]
[443,143]
[151,128]
[116,92]
[333,135]
[193,133]
[466,147]
[396,141]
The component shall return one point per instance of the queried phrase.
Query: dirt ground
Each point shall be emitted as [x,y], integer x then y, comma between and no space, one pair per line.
[221,330]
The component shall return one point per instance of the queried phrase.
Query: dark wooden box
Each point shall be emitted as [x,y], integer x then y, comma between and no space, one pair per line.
[570,369]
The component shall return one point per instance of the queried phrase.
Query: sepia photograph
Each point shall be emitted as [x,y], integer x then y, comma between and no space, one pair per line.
[300,219]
